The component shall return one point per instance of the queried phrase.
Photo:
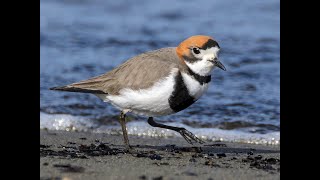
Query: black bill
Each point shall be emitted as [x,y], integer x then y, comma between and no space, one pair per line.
[220,65]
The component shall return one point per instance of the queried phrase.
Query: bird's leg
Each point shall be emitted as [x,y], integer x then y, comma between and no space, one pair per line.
[122,121]
[187,135]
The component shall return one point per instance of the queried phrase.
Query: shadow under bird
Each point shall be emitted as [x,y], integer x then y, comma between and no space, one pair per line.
[157,83]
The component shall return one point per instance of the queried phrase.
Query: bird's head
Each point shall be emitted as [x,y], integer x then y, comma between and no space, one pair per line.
[200,54]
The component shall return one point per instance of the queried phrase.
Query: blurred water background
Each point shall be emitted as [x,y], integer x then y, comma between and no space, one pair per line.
[84,38]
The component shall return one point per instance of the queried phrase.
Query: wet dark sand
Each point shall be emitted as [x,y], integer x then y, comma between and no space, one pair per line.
[80,155]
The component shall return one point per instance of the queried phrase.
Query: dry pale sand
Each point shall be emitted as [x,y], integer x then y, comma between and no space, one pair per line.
[82,155]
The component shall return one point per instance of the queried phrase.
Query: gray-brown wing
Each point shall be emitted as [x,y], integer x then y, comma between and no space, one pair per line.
[139,72]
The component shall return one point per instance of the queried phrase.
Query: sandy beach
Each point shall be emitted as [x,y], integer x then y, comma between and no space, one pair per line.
[83,155]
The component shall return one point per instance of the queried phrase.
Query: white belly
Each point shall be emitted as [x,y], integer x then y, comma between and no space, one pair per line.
[149,102]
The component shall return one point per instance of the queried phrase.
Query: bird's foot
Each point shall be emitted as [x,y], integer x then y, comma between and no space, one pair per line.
[189,137]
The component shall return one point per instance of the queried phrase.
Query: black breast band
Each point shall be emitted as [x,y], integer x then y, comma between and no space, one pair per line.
[201,79]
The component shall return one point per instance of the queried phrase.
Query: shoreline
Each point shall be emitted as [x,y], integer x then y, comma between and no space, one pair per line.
[85,155]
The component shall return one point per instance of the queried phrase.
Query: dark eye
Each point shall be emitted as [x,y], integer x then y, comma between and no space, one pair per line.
[196,50]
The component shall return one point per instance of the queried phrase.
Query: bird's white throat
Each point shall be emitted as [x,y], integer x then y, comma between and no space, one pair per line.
[202,67]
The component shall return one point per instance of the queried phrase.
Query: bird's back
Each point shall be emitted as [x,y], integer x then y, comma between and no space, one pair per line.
[139,72]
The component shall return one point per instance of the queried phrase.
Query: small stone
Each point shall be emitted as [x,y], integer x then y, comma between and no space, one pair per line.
[158,178]
[209,162]
[272,160]
[220,155]
[155,157]
[258,157]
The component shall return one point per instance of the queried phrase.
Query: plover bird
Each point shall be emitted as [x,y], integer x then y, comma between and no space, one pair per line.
[157,83]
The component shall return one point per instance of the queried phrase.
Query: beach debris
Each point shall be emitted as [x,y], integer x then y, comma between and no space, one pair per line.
[191,149]
[248,159]
[141,155]
[189,173]
[220,155]
[192,160]
[155,157]
[159,164]
[48,152]
[143,177]
[158,178]
[83,138]
[44,146]
[63,153]
[272,160]
[197,155]
[81,151]
[258,157]
[227,165]
[211,163]
[217,145]
[175,149]
[69,168]
[98,150]
[148,155]
[260,163]
[67,147]
[250,153]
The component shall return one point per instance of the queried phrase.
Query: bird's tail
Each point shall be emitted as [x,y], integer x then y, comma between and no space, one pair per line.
[60,88]
[76,89]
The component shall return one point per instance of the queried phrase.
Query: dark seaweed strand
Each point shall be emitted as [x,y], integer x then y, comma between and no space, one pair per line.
[180,97]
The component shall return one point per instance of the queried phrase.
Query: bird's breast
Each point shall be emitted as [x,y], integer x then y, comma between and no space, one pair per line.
[187,90]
